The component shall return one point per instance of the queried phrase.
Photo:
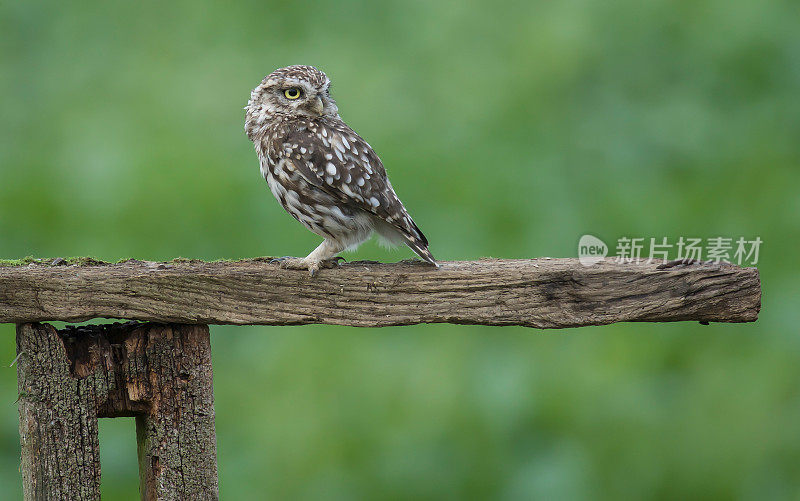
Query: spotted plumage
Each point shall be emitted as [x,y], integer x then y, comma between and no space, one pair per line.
[323,173]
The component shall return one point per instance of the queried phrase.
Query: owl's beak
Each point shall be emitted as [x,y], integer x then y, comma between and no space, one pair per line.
[317,105]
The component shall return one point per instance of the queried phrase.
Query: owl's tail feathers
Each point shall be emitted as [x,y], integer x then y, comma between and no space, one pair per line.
[417,242]
[409,234]
[421,250]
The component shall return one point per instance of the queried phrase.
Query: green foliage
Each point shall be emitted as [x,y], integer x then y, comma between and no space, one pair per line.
[508,129]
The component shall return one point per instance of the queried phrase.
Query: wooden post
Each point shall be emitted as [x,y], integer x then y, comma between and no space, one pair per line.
[160,373]
[177,440]
[57,421]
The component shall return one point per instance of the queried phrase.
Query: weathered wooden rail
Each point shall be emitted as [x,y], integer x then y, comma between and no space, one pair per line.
[160,371]
[544,293]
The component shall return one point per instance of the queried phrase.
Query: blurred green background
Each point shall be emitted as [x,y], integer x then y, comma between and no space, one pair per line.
[509,129]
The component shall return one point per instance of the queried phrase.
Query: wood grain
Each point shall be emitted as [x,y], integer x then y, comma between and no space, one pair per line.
[544,293]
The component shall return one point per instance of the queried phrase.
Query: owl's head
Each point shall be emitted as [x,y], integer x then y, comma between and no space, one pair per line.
[297,91]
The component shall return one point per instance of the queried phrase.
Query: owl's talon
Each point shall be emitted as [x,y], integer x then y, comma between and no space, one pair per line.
[279,260]
[291,263]
[315,266]
[296,263]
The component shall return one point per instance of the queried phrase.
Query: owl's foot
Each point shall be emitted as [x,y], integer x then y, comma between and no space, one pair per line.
[290,263]
[313,266]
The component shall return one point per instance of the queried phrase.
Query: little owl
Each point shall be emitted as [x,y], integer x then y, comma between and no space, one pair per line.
[321,171]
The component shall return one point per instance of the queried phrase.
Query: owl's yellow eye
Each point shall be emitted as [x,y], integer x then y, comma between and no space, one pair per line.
[292,93]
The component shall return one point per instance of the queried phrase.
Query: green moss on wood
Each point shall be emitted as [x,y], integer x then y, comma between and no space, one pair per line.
[90,261]
[59,261]
[18,262]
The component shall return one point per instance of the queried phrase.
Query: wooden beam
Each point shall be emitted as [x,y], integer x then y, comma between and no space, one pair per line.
[544,293]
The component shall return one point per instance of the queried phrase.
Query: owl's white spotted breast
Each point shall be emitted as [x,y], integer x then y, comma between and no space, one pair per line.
[326,176]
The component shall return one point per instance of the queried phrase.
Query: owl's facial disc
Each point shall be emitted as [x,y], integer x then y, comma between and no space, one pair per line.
[285,92]
[298,96]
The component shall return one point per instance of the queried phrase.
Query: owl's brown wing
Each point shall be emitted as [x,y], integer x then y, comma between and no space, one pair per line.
[335,159]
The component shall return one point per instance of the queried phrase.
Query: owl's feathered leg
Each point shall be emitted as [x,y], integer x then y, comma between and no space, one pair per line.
[321,257]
